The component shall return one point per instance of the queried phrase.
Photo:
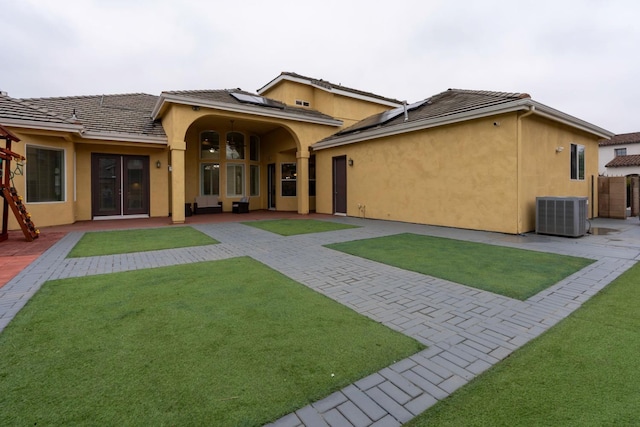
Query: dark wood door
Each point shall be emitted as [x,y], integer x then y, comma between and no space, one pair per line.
[120,185]
[340,185]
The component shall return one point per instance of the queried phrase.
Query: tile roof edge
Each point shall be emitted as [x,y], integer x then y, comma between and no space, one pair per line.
[40,110]
[51,98]
[614,163]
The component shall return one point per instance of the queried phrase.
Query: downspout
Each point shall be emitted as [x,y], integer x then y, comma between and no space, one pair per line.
[531,110]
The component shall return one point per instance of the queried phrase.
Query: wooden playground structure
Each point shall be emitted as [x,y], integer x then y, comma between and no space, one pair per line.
[8,191]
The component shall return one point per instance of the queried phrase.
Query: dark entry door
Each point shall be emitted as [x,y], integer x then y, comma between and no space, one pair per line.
[120,185]
[271,186]
[340,185]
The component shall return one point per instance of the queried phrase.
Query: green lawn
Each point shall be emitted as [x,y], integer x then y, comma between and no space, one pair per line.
[222,343]
[138,240]
[290,227]
[511,272]
[583,372]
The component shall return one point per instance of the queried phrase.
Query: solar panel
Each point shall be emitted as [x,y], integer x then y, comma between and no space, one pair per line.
[256,100]
[381,118]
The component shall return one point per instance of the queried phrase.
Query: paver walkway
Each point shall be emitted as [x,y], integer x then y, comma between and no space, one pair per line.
[466,330]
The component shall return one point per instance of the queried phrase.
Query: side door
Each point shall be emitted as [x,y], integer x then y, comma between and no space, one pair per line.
[340,185]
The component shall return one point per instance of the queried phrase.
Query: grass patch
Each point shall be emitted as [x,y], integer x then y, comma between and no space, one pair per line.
[515,273]
[223,343]
[290,227]
[138,240]
[583,372]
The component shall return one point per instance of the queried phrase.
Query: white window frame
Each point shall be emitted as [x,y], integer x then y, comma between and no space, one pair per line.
[619,152]
[254,171]
[293,179]
[203,165]
[232,175]
[215,156]
[242,144]
[577,162]
[62,173]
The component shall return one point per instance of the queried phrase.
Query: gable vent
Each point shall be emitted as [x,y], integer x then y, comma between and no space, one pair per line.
[561,216]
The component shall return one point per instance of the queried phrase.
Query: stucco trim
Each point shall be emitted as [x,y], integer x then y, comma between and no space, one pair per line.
[237,108]
[519,105]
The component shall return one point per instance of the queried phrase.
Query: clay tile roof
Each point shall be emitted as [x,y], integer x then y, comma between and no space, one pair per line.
[623,138]
[224,96]
[119,114]
[16,109]
[449,102]
[621,161]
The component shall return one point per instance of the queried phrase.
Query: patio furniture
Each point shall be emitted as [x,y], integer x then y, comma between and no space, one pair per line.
[241,206]
[207,205]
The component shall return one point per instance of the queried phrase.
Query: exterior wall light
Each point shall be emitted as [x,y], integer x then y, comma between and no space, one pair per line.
[350,162]
[158,164]
[559,149]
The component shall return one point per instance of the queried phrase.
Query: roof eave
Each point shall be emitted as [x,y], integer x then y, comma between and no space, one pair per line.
[518,105]
[239,108]
[122,137]
[559,116]
[48,126]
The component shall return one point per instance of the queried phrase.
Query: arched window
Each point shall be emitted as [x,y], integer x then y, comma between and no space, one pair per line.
[210,145]
[235,146]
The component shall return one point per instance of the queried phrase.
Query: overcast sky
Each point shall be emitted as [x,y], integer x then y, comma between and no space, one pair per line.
[580,57]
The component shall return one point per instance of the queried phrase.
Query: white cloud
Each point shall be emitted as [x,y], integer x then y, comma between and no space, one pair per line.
[576,56]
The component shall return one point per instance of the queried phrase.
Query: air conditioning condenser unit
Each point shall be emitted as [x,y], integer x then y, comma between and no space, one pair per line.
[561,216]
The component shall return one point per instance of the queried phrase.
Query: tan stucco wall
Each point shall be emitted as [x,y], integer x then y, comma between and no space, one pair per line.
[546,172]
[77,203]
[49,213]
[475,175]
[347,109]
[458,176]
[288,92]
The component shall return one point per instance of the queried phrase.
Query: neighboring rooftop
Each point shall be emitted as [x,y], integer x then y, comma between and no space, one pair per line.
[622,161]
[623,138]
[328,86]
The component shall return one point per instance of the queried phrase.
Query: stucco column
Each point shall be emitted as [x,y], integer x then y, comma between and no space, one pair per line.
[177,184]
[302,181]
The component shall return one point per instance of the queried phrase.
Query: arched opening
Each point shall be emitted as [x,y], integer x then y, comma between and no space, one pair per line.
[236,157]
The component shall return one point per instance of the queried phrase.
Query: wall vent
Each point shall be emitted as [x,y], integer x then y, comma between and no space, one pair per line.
[561,216]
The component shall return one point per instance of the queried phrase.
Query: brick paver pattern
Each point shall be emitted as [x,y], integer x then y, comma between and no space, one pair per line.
[466,330]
